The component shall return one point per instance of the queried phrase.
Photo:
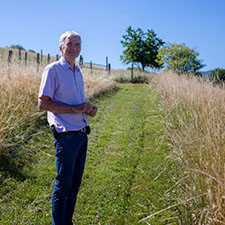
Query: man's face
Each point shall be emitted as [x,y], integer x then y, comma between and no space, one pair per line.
[71,48]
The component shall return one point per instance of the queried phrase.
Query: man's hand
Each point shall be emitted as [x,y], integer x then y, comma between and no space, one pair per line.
[93,111]
[84,107]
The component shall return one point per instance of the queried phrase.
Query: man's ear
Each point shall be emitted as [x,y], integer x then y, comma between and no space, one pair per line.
[60,48]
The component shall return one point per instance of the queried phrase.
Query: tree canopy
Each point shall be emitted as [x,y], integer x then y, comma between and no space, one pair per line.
[180,58]
[141,47]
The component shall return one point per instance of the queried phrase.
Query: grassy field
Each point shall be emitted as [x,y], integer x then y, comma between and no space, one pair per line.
[128,174]
[156,153]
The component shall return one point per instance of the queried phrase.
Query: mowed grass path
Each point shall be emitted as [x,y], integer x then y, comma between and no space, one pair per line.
[128,174]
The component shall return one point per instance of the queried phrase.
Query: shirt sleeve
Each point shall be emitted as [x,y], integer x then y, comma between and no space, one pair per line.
[82,82]
[48,83]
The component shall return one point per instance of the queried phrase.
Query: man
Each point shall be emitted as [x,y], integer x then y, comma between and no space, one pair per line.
[62,95]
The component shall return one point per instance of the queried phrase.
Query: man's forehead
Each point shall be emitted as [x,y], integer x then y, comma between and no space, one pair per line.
[73,39]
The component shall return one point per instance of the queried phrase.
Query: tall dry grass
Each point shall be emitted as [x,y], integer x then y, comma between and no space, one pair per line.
[18,92]
[19,86]
[195,124]
[97,82]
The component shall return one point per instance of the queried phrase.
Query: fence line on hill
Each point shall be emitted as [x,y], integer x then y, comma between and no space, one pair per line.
[39,60]
[95,66]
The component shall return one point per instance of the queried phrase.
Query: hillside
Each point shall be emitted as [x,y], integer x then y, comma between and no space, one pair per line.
[156,151]
[31,56]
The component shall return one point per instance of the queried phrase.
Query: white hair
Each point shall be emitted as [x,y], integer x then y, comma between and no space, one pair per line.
[67,34]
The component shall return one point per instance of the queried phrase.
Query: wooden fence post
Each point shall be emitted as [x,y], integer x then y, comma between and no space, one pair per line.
[106,63]
[91,66]
[109,68]
[81,60]
[25,58]
[48,58]
[38,60]
[10,57]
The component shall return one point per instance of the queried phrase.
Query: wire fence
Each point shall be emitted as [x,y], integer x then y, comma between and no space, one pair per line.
[40,59]
[95,66]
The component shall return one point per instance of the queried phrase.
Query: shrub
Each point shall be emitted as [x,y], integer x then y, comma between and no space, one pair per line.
[218,75]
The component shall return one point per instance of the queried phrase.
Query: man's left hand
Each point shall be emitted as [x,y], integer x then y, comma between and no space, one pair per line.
[93,111]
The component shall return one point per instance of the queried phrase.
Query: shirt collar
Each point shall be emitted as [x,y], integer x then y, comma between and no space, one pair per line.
[66,65]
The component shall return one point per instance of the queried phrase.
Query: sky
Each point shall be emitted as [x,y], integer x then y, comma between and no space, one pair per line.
[37,25]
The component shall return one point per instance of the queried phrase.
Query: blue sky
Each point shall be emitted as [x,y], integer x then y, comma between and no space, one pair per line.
[200,24]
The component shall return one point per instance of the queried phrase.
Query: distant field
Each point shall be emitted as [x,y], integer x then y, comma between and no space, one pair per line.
[32,57]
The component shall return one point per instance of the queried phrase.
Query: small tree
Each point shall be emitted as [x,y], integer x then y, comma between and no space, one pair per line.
[133,45]
[30,50]
[180,59]
[217,75]
[141,47]
[18,47]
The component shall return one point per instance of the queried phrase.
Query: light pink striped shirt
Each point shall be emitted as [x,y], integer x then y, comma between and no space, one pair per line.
[64,85]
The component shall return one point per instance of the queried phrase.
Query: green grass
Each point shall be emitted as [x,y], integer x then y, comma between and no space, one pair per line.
[128,173]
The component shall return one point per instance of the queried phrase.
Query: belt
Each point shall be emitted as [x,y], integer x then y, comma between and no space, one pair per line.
[85,130]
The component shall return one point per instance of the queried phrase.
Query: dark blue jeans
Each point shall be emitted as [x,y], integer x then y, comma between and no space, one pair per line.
[71,148]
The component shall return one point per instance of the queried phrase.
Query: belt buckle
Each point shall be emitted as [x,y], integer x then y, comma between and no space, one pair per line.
[83,130]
